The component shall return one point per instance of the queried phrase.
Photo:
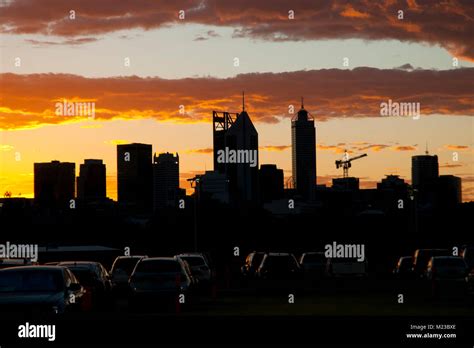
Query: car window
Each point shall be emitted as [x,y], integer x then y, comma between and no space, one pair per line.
[194,261]
[31,281]
[85,276]
[158,266]
[125,264]
[280,262]
[450,263]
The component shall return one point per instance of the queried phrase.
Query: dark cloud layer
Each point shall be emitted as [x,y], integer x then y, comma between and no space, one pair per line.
[449,24]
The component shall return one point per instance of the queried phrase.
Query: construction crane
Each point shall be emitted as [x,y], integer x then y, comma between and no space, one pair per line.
[345,163]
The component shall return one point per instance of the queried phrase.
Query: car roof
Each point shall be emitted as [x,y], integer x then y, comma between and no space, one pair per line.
[131,257]
[279,254]
[160,259]
[78,263]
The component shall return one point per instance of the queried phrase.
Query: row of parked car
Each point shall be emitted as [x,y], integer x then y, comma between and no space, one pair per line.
[310,266]
[439,267]
[60,287]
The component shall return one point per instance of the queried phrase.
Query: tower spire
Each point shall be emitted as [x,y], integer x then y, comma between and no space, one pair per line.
[243,100]
[426,151]
[302,102]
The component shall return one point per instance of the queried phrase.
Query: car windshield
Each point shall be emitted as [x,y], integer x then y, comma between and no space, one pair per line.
[449,263]
[125,264]
[31,281]
[159,266]
[280,262]
[194,261]
[405,262]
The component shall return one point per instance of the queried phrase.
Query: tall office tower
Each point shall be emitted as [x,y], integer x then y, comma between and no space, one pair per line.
[303,143]
[449,190]
[271,182]
[135,176]
[424,170]
[237,138]
[213,185]
[91,180]
[165,180]
[54,183]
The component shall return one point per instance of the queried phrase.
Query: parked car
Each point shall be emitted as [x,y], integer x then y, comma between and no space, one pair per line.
[313,265]
[279,271]
[403,268]
[159,279]
[199,267]
[95,279]
[447,274]
[121,270]
[421,257]
[346,267]
[40,291]
[252,262]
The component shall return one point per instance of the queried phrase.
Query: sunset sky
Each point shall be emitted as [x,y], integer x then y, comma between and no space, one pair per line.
[426,57]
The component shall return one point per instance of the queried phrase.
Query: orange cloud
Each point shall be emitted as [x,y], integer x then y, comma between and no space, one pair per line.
[275,147]
[374,147]
[457,147]
[206,151]
[448,24]
[29,100]
[351,13]
[450,165]
[404,148]
[334,148]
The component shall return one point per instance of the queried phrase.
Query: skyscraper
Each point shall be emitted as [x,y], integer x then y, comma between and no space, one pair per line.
[424,170]
[239,138]
[271,182]
[135,176]
[165,180]
[54,183]
[449,190]
[213,185]
[303,144]
[91,184]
